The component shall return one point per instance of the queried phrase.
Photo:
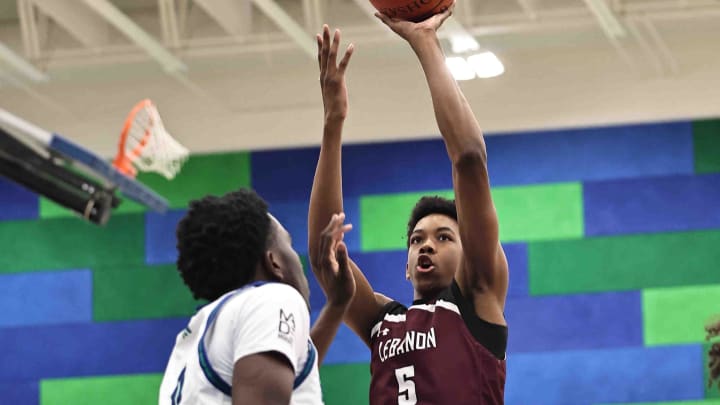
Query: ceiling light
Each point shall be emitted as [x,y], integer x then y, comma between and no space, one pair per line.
[486,65]
[460,68]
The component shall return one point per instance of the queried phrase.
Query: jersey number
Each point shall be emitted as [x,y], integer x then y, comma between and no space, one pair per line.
[406,386]
[177,393]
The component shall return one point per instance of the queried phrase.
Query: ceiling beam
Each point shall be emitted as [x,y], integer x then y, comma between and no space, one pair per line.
[18,64]
[29,29]
[129,28]
[528,8]
[606,18]
[79,21]
[288,25]
[234,16]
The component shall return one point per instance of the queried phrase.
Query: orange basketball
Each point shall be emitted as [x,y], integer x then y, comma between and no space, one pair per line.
[411,10]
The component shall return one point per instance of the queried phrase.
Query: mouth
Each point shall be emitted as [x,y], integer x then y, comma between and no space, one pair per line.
[424,264]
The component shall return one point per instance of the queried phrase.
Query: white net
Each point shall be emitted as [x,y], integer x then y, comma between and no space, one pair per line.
[150,147]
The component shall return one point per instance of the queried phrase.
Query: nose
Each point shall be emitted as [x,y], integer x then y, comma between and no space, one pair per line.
[427,248]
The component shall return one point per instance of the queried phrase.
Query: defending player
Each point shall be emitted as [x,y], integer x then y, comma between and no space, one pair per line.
[252,344]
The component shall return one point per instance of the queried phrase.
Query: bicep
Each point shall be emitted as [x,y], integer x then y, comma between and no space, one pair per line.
[263,379]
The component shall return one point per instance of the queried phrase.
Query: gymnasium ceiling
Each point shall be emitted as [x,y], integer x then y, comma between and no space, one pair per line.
[232,74]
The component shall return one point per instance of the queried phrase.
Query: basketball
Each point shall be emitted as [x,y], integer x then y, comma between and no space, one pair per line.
[411,10]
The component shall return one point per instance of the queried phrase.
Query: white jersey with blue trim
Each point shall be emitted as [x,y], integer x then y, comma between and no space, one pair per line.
[258,318]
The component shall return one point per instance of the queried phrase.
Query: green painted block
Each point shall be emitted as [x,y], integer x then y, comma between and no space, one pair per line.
[141,389]
[49,209]
[711,391]
[624,262]
[68,243]
[345,384]
[678,315]
[140,292]
[706,138]
[526,213]
[201,175]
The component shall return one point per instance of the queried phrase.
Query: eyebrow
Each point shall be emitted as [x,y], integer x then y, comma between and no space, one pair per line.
[440,229]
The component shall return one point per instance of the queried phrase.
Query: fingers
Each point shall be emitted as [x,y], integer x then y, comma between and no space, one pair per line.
[384,18]
[341,255]
[332,55]
[346,59]
[319,40]
[324,49]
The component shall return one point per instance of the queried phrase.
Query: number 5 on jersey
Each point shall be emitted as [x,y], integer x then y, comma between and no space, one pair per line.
[406,386]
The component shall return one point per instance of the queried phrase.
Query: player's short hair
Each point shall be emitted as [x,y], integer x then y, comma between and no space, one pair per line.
[428,205]
[220,241]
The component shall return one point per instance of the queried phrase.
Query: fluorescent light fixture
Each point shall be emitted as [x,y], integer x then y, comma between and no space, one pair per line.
[460,68]
[460,38]
[486,65]
[463,44]
[19,64]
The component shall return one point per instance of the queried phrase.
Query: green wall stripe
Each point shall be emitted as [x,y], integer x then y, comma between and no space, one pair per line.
[706,139]
[624,262]
[537,212]
[678,315]
[201,175]
[345,384]
[140,389]
[70,243]
[49,209]
[140,292]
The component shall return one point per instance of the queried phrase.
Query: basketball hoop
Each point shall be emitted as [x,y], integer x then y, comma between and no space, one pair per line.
[146,144]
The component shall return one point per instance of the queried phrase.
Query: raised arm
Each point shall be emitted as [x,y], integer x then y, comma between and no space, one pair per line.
[326,196]
[485,267]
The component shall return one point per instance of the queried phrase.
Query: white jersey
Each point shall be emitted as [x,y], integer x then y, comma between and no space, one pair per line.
[258,318]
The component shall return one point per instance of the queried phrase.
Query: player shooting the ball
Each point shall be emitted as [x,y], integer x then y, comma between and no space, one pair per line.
[449,346]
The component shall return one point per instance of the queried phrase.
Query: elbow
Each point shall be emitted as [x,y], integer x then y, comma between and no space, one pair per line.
[470,157]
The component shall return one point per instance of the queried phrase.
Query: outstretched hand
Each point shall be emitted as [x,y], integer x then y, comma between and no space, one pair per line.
[409,30]
[713,331]
[332,74]
[334,273]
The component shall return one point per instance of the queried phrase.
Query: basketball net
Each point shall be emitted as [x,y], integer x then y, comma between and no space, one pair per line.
[147,146]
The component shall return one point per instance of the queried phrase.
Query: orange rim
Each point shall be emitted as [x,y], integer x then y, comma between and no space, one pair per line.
[123,161]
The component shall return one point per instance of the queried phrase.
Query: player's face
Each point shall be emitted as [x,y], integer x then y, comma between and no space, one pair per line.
[434,255]
[292,268]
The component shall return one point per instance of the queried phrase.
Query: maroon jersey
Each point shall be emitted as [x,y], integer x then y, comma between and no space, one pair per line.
[437,352]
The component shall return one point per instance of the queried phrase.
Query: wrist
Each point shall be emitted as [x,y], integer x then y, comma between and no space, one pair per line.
[337,307]
[423,38]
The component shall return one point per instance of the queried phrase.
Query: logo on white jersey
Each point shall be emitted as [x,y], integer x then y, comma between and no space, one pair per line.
[286,327]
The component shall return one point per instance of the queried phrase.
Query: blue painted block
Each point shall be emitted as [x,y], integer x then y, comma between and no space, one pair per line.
[284,175]
[160,239]
[347,347]
[517,257]
[569,322]
[73,350]
[661,204]
[45,298]
[591,154]
[396,167]
[20,393]
[17,202]
[605,376]
[293,216]
[524,158]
